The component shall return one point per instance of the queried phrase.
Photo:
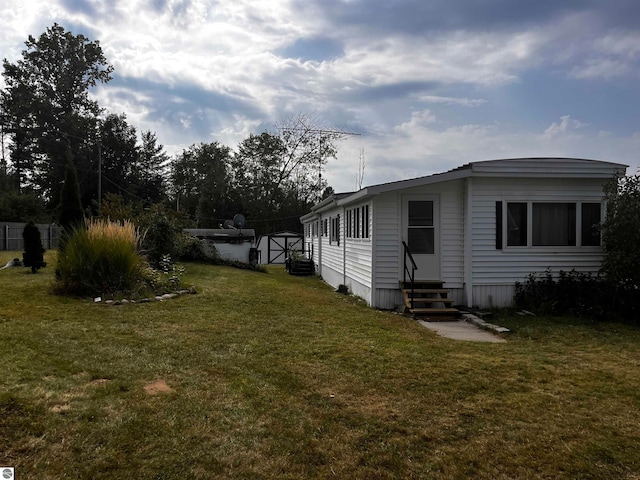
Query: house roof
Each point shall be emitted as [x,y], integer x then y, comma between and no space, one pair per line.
[533,167]
[284,233]
[222,233]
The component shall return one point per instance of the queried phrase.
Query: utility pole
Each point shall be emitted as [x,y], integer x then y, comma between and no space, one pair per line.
[360,176]
[2,141]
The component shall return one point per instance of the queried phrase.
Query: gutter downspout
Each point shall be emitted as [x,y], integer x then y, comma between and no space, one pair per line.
[468,241]
[319,232]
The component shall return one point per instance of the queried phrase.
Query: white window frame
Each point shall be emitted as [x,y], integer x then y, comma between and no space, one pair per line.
[578,224]
[334,230]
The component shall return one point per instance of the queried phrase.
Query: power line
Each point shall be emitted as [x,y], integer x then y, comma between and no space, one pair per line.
[320,131]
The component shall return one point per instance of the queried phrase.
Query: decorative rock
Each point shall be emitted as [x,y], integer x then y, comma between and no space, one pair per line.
[159,298]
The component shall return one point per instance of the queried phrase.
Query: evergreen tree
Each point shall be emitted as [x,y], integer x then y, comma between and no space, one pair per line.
[33,250]
[47,107]
[70,213]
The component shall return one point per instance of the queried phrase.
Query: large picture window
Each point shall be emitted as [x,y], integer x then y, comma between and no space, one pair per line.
[554,224]
[549,224]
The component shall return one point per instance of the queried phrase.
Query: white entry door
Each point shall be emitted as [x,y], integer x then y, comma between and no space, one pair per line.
[421,231]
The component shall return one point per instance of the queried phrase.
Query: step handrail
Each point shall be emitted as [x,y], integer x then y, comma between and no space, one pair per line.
[414,267]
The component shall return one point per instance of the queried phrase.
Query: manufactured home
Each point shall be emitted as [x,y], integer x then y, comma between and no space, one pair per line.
[475,230]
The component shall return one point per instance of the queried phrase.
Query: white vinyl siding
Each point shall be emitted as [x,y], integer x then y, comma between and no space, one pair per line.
[452,234]
[388,226]
[358,251]
[332,252]
[511,263]
[386,231]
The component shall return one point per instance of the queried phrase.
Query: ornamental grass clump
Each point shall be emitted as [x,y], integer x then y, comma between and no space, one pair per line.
[102,257]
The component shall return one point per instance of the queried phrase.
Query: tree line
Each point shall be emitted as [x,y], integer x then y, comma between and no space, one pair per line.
[49,124]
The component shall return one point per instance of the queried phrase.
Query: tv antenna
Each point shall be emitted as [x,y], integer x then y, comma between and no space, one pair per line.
[332,134]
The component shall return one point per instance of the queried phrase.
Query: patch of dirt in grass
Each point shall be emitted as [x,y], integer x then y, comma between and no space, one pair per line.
[60,396]
[98,382]
[157,387]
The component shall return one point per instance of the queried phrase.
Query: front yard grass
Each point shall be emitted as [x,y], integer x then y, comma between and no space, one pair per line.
[273,376]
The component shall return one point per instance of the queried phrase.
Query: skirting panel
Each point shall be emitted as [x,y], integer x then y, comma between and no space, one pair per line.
[493,296]
[387,299]
[335,279]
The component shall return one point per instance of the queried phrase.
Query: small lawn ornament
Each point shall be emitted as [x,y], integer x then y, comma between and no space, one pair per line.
[12,263]
[33,250]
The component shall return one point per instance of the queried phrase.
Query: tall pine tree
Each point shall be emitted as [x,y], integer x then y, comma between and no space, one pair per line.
[70,213]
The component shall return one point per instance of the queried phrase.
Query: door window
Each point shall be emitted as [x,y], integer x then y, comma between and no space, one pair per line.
[421,230]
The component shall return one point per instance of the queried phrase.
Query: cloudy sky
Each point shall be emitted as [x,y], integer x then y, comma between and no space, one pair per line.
[428,84]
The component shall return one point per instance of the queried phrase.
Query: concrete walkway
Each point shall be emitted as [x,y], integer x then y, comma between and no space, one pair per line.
[462,330]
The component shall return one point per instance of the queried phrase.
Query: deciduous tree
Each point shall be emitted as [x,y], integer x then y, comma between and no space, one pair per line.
[119,153]
[47,107]
[277,176]
[621,232]
[201,183]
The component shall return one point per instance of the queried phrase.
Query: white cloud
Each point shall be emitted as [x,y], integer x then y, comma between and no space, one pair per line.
[565,126]
[465,102]
[202,71]
[426,150]
[586,48]
[419,120]
[605,68]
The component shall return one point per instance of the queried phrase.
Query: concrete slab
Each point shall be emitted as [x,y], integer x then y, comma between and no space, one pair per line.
[461,330]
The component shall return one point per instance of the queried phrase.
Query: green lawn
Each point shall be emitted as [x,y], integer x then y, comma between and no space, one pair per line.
[272,376]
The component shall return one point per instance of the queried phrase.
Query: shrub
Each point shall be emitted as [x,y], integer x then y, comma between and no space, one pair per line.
[161,238]
[577,293]
[33,250]
[167,277]
[194,249]
[620,232]
[102,258]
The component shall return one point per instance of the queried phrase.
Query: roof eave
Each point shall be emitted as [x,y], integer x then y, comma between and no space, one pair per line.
[404,184]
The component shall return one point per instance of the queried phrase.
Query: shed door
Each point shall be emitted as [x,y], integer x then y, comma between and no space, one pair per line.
[278,247]
[421,231]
